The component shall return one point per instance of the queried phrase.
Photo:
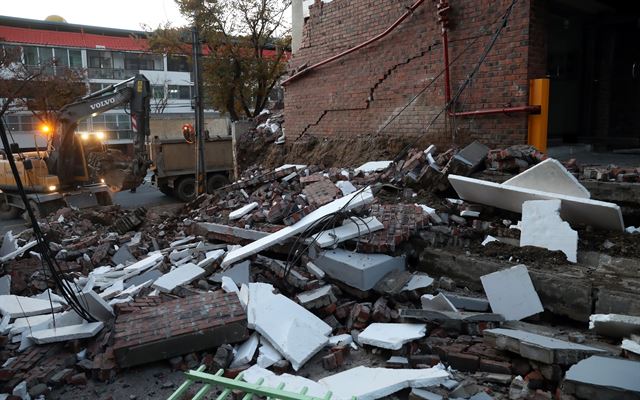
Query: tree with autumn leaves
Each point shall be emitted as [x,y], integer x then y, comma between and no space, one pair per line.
[245,42]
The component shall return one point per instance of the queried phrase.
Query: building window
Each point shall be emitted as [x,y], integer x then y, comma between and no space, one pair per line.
[158,91]
[13,123]
[75,58]
[179,92]
[99,59]
[149,62]
[178,63]
[27,123]
[30,55]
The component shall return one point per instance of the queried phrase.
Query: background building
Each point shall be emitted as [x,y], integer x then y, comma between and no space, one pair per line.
[106,56]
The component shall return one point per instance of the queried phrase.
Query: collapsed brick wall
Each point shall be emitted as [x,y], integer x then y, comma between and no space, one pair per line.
[358,94]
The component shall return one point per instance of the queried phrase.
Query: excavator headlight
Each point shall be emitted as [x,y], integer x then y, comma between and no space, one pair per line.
[52,188]
[85,136]
[44,128]
[100,135]
[101,180]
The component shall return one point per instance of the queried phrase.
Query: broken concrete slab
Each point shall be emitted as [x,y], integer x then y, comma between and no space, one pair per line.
[437,303]
[5,285]
[346,203]
[467,303]
[19,306]
[346,187]
[536,347]
[65,333]
[180,276]
[145,263]
[614,325]
[242,211]
[373,166]
[267,354]
[18,252]
[238,272]
[575,210]
[542,227]
[424,394]
[292,383]
[362,271]
[228,285]
[225,231]
[631,345]
[472,156]
[603,378]
[391,335]
[211,257]
[96,306]
[550,176]
[443,316]
[418,281]
[245,352]
[298,337]
[149,275]
[9,244]
[123,256]
[374,383]
[350,229]
[511,293]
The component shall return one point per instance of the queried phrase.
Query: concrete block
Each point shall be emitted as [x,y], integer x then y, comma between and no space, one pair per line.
[467,303]
[550,176]
[614,325]
[316,298]
[375,383]
[575,210]
[373,166]
[179,276]
[96,305]
[542,227]
[19,306]
[297,337]
[391,335]
[350,229]
[5,285]
[242,211]
[245,352]
[346,203]
[437,303]
[539,348]
[472,155]
[604,378]
[511,293]
[65,333]
[362,271]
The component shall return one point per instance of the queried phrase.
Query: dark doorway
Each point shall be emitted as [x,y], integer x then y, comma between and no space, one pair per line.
[593,63]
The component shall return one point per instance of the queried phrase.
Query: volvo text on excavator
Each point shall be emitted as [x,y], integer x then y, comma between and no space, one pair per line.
[78,170]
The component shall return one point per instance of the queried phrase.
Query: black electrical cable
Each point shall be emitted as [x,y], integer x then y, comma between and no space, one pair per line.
[67,292]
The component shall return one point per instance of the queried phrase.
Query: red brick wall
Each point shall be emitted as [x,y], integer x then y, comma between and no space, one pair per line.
[361,92]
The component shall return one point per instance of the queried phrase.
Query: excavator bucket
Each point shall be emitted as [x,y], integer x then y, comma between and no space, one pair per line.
[117,170]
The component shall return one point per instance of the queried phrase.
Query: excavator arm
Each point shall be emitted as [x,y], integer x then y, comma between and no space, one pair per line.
[67,157]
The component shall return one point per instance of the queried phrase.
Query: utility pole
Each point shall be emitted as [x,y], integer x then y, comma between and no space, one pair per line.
[199,127]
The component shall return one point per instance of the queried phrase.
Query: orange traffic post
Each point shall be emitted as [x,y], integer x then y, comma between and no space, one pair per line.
[538,123]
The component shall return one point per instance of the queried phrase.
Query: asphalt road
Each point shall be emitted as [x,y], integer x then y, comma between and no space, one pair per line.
[145,196]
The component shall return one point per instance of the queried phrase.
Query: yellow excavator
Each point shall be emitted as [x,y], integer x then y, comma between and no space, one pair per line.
[77,169]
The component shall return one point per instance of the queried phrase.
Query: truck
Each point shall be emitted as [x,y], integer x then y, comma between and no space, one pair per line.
[173,165]
[66,173]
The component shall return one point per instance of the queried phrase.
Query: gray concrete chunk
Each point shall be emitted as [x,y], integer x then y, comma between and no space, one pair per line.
[361,271]
[538,347]
[604,378]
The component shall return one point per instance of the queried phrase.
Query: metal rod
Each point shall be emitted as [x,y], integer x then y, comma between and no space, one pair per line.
[492,111]
[197,96]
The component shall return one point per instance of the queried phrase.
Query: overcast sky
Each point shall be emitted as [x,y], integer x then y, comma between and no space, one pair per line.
[124,14]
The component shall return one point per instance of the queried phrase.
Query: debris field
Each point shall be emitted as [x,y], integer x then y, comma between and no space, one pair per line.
[462,274]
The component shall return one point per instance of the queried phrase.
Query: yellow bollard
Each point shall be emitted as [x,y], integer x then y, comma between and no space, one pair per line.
[538,123]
